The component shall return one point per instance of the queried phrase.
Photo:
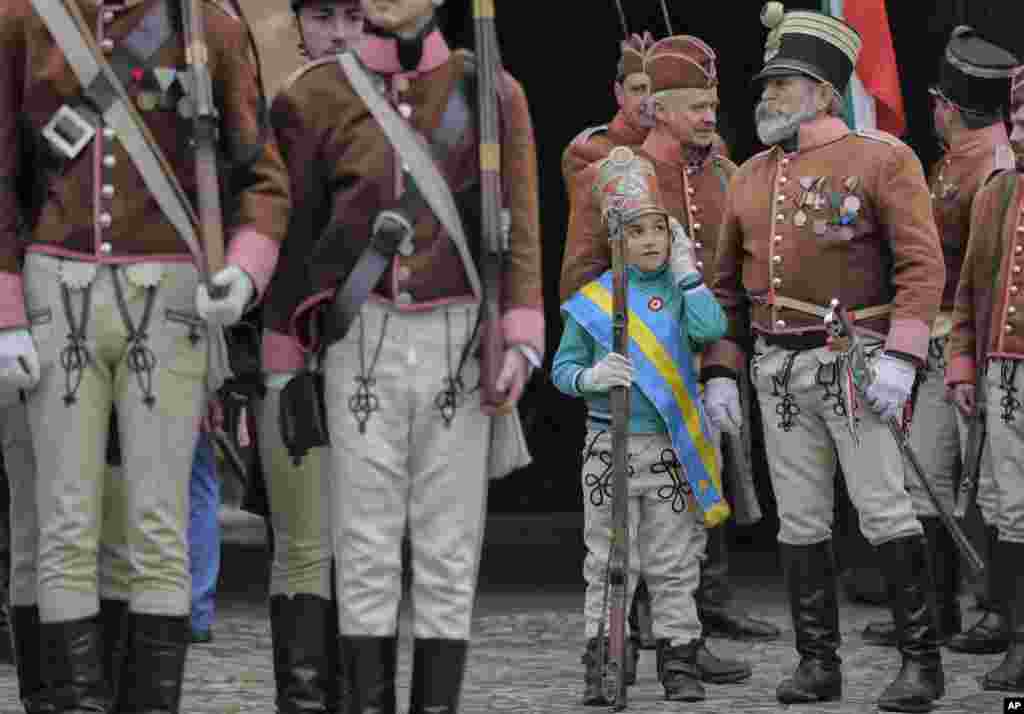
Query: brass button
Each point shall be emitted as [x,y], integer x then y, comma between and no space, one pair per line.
[700,265]
[1009,327]
[107,45]
[696,226]
[1012,310]
[780,324]
[106,247]
[776,259]
[691,190]
[777,282]
[109,134]
[1019,249]
[1014,290]
[780,198]
[780,217]
[405,110]
[108,16]
[404,273]
[1016,269]
[783,179]
[695,208]
[107,191]
[109,161]
[778,239]
[105,220]
[698,245]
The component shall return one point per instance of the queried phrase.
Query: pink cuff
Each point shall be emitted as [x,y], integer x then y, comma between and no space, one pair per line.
[281,353]
[724,353]
[524,325]
[12,301]
[961,369]
[256,254]
[910,337]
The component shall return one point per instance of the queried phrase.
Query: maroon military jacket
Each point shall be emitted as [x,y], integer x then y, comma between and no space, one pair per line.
[988,317]
[344,172]
[95,207]
[848,216]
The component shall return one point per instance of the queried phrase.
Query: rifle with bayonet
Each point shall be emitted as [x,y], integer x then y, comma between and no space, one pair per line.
[205,134]
[837,322]
[616,591]
[967,492]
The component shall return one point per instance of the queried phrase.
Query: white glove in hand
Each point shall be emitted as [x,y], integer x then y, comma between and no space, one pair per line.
[894,380]
[19,362]
[682,257]
[226,310]
[614,370]
[722,403]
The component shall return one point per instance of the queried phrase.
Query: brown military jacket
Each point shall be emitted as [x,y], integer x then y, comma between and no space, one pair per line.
[344,172]
[847,216]
[955,179]
[694,195]
[594,144]
[95,207]
[987,317]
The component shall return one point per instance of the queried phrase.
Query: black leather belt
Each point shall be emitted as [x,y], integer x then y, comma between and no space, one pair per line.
[796,341]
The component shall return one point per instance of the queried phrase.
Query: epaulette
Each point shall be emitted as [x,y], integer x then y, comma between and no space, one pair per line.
[1004,158]
[879,135]
[303,70]
[584,136]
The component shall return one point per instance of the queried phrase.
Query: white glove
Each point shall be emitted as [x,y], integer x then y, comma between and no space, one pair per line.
[894,380]
[683,258]
[226,310]
[722,403]
[19,362]
[614,370]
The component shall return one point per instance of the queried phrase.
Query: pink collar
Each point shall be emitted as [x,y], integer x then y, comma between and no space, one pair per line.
[979,140]
[380,54]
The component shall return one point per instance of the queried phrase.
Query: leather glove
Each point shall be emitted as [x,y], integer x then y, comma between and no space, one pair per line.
[722,403]
[894,380]
[964,396]
[614,370]
[226,310]
[682,257]
[19,362]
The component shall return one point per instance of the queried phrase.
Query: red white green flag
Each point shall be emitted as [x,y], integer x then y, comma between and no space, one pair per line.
[873,98]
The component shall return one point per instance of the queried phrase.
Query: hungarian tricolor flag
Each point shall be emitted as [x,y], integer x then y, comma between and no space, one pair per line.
[873,98]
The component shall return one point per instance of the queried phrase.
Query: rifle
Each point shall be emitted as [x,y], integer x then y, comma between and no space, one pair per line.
[837,322]
[616,590]
[205,130]
[739,456]
[967,492]
[494,220]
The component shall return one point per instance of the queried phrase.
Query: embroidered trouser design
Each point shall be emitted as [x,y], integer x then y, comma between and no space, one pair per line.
[1006,441]
[802,458]
[407,469]
[299,510]
[666,543]
[157,441]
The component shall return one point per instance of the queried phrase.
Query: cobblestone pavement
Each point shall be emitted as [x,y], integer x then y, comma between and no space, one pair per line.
[526,652]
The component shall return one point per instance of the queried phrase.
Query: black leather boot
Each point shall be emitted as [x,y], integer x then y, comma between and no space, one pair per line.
[945,568]
[154,664]
[437,669]
[715,608]
[678,672]
[113,618]
[810,572]
[990,634]
[74,667]
[1009,675]
[369,664]
[28,660]
[908,577]
[303,633]
[641,622]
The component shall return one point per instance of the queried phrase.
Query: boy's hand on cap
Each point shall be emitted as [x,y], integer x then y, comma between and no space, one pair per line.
[682,256]
[614,370]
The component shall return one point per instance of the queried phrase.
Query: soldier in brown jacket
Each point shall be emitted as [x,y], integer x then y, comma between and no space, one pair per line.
[101,310]
[969,103]
[408,430]
[827,213]
[988,337]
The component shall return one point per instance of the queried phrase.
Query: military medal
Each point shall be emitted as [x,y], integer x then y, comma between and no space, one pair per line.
[851,204]
[655,304]
[799,219]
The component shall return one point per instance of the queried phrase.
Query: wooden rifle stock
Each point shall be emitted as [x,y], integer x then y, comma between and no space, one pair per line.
[205,122]
[494,226]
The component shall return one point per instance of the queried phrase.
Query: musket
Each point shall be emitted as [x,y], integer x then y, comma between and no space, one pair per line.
[495,224]
[613,666]
[967,492]
[837,322]
[205,129]
[622,19]
[746,506]
[668,20]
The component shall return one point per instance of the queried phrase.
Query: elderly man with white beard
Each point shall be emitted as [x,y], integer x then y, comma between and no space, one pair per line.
[829,213]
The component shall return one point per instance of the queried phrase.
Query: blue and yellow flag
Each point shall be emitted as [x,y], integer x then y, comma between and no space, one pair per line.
[663,371]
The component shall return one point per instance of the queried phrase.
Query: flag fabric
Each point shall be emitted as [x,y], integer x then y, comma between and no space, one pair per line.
[873,98]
